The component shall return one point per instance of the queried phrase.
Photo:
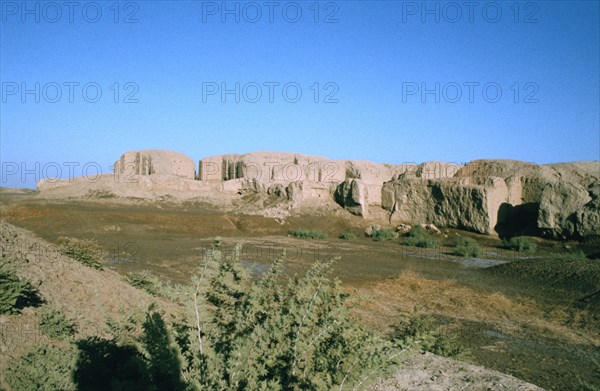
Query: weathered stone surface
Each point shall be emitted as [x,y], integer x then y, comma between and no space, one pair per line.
[270,167]
[487,196]
[153,161]
[352,194]
[567,209]
[440,202]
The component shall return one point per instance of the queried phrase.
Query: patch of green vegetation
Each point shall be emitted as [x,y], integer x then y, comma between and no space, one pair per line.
[383,234]
[307,234]
[347,236]
[15,293]
[521,244]
[570,256]
[466,247]
[46,368]
[419,237]
[55,325]
[146,281]
[423,332]
[87,252]
[242,333]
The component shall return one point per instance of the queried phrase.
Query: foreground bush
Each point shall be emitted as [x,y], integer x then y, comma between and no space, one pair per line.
[146,281]
[419,237]
[250,335]
[307,234]
[14,292]
[521,244]
[87,252]
[46,368]
[54,324]
[466,247]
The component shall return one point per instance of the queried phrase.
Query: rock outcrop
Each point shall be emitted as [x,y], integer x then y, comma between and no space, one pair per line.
[506,197]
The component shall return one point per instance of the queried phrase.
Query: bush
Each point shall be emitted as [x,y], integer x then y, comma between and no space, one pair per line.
[422,331]
[521,244]
[54,324]
[307,234]
[146,281]
[347,236]
[87,252]
[15,293]
[466,247]
[46,368]
[383,234]
[264,334]
[419,237]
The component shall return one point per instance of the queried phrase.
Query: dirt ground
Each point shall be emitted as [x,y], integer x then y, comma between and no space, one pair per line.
[508,324]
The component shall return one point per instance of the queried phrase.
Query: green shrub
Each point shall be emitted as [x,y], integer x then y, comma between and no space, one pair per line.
[307,234]
[347,236]
[14,292]
[419,237]
[146,281]
[423,332]
[383,234]
[521,244]
[87,252]
[45,368]
[466,247]
[54,324]
[250,334]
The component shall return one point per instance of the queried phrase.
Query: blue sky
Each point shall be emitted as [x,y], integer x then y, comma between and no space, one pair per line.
[527,74]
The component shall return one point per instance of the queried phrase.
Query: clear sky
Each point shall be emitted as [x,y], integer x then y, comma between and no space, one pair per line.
[502,79]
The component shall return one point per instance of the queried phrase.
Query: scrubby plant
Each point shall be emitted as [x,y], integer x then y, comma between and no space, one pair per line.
[466,247]
[146,281]
[307,234]
[419,237]
[54,324]
[521,244]
[347,236]
[422,331]
[383,234]
[14,292]
[46,368]
[87,252]
[261,334]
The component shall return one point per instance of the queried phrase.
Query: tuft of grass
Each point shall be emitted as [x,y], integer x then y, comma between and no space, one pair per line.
[422,331]
[466,247]
[55,325]
[85,251]
[570,256]
[383,234]
[307,234]
[521,244]
[347,236]
[419,237]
